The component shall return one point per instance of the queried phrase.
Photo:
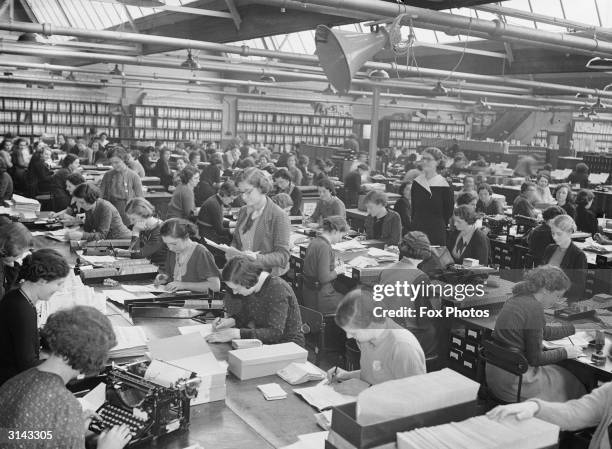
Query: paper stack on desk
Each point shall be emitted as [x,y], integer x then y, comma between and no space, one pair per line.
[131,342]
[25,205]
[191,352]
[299,373]
[482,433]
[272,391]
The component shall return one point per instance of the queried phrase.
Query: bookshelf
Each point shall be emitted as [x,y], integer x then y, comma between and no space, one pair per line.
[176,124]
[287,128]
[408,134]
[592,136]
[33,117]
[540,139]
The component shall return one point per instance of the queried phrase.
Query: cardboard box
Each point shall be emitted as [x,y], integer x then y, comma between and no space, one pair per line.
[265,361]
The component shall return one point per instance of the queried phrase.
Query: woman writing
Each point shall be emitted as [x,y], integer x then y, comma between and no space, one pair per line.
[580,176]
[563,194]
[381,223]
[262,228]
[283,182]
[521,325]
[189,265]
[69,213]
[388,351]
[486,204]
[432,198]
[182,203]
[37,400]
[467,241]
[61,197]
[586,219]
[102,220]
[43,273]
[210,217]
[146,228]
[15,244]
[328,203]
[566,255]
[320,270]
[39,174]
[266,308]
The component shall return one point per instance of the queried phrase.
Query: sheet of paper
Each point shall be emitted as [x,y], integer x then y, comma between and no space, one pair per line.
[178,347]
[219,246]
[203,329]
[149,288]
[129,337]
[579,339]
[362,262]
[348,245]
[165,374]
[95,398]
[322,397]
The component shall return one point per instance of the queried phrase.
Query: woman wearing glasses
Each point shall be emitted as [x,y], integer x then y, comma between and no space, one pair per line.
[262,228]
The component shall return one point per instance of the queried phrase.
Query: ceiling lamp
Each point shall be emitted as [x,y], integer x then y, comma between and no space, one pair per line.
[117,71]
[190,63]
[328,90]
[265,78]
[439,90]
[8,73]
[378,75]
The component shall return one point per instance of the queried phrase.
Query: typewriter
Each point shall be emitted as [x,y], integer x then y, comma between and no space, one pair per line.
[498,225]
[149,409]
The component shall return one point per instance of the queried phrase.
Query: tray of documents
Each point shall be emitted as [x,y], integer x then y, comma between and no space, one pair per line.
[120,270]
[264,361]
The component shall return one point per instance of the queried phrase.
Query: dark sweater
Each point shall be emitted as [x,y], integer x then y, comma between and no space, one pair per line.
[151,246]
[570,209]
[574,265]
[6,186]
[495,207]
[390,229]
[586,220]
[431,210]
[210,221]
[19,339]
[522,206]
[104,222]
[521,325]
[271,315]
[403,208]
[319,262]
[478,247]
[539,239]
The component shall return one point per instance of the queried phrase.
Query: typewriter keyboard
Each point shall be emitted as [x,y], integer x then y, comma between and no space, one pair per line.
[113,416]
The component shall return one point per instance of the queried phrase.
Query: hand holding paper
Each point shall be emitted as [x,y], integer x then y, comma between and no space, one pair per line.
[223,336]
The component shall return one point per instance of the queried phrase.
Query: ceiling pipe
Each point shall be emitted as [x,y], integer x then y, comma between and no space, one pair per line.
[48,29]
[495,28]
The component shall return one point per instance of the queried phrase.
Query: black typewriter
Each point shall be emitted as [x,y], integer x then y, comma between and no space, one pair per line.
[150,410]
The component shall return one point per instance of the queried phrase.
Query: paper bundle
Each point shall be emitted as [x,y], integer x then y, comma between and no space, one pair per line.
[299,373]
[131,342]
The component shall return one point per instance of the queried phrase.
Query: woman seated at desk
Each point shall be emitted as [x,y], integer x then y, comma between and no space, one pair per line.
[412,253]
[319,271]
[69,213]
[524,204]
[381,223]
[403,206]
[388,351]
[467,241]
[580,175]
[328,203]
[586,219]
[79,339]
[210,217]
[566,255]
[283,201]
[588,411]
[541,236]
[189,265]
[486,204]
[146,228]
[521,325]
[43,273]
[61,197]
[262,228]
[282,179]
[102,219]
[266,308]
[563,194]
[543,194]
[15,244]
[467,199]
[182,204]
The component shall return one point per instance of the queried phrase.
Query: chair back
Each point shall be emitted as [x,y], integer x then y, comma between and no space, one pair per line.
[504,357]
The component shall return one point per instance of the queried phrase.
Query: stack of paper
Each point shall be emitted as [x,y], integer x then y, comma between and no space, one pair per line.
[348,245]
[594,178]
[362,262]
[203,329]
[191,352]
[272,391]
[131,342]
[507,434]
[245,343]
[299,373]
[25,205]
[382,256]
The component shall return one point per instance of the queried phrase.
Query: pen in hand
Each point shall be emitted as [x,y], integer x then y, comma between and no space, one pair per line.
[334,374]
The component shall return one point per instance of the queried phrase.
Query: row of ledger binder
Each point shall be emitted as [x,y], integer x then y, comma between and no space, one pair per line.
[481,432]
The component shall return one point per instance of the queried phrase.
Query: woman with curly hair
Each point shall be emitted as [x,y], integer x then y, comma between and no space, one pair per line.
[15,243]
[37,400]
[182,204]
[43,273]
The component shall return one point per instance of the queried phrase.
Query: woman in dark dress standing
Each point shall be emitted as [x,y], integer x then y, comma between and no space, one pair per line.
[432,198]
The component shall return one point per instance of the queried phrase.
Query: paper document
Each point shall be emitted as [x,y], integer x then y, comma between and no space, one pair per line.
[203,329]
[131,341]
[149,288]
[348,245]
[272,391]
[579,339]
[323,396]
[362,262]
[297,373]
[219,246]
[95,398]
[165,374]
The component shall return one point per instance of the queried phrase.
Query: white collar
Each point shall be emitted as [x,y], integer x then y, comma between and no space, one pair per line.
[437,181]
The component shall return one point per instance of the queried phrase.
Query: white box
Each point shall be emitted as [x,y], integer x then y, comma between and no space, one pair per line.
[468,262]
[265,361]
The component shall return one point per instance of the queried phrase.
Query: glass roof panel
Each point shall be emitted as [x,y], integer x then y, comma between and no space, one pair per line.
[581,11]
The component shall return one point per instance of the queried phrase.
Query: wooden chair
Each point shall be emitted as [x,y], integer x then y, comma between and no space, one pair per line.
[321,333]
[506,358]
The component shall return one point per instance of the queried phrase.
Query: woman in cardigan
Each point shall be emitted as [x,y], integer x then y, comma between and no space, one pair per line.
[328,203]
[182,204]
[586,219]
[120,184]
[591,410]
[266,308]
[43,273]
[521,325]
[563,195]
[319,271]
[61,198]
[146,230]
[381,223]
[541,236]
[283,182]
[486,204]
[403,207]
[15,244]
[189,265]
[432,198]
[566,255]
[467,241]
[69,213]
[102,220]
[262,228]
